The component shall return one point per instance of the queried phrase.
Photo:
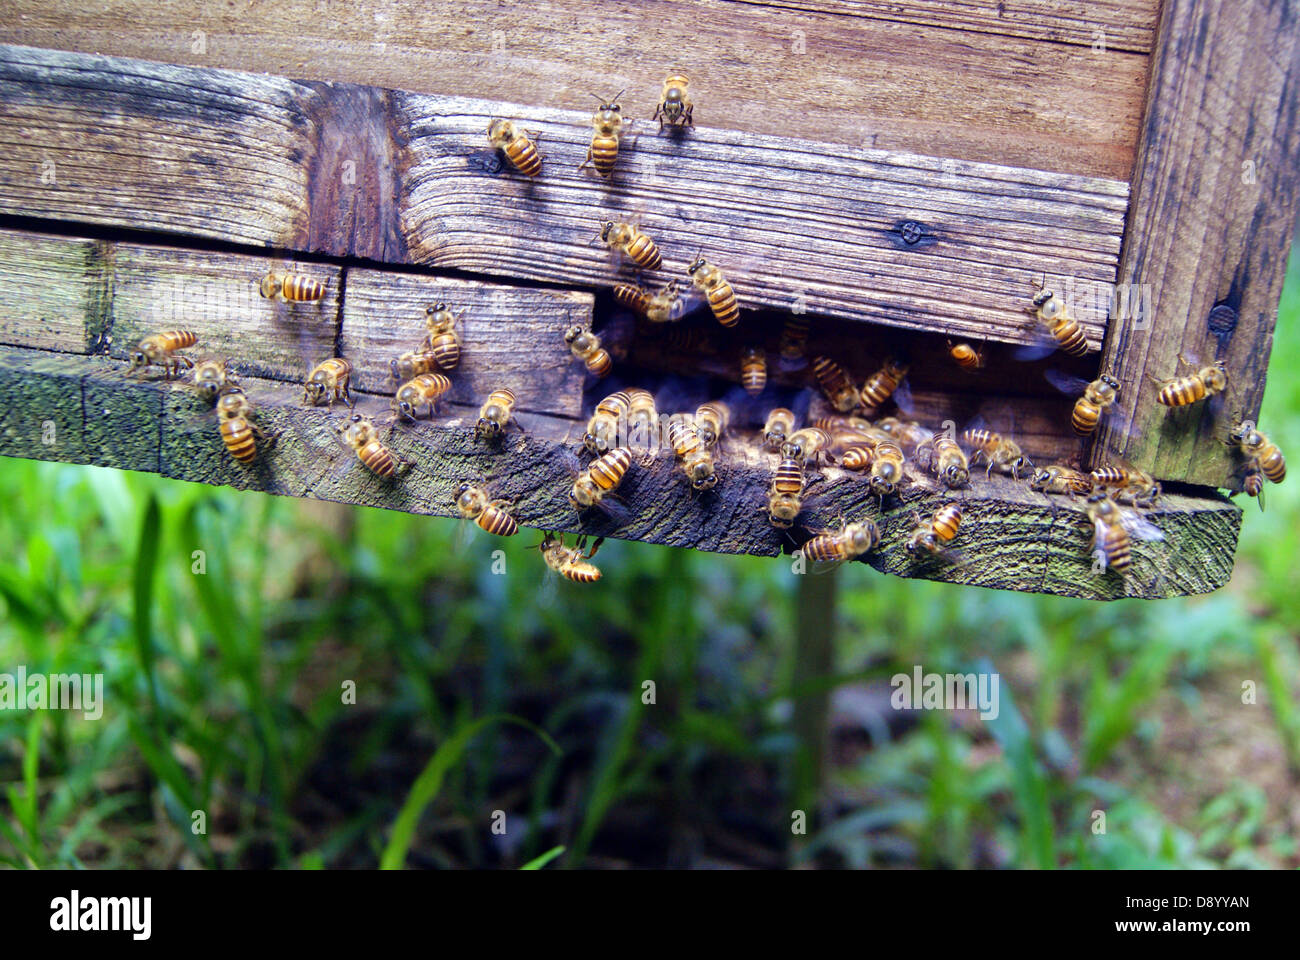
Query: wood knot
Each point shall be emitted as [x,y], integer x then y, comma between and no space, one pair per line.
[911,232]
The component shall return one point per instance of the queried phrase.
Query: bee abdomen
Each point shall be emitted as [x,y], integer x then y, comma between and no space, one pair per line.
[878,388]
[579,571]
[643,251]
[1109,476]
[632,297]
[722,300]
[179,339]
[965,356]
[1273,465]
[446,350]
[1084,417]
[496,521]
[857,458]
[1071,338]
[607,471]
[238,438]
[753,373]
[523,154]
[599,362]
[789,477]
[300,287]
[794,335]
[604,153]
[947,520]
[378,458]
[1181,392]
[823,548]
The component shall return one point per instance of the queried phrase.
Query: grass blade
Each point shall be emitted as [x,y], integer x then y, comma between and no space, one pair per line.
[538,862]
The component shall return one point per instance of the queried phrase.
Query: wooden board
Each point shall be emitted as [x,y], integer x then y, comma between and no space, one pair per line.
[1015,539]
[50,292]
[1036,83]
[1216,195]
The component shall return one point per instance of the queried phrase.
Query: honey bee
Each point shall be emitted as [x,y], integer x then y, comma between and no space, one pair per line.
[632,243]
[328,380]
[835,383]
[675,105]
[779,426]
[807,445]
[421,391]
[1126,482]
[441,338]
[966,356]
[947,461]
[1060,479]
[722,299]
[691,450]
[1206,382]
[1252,482]
[161,349]
[600,479]
[794,338]
[712,420]
[1112,531]
[411,364]
[609,418]
[1050,309]
[497,411]
[235,423]
[911,436]
[838,421]
[585,345]
[642,417]
[212,378]
[1263,456]
[785,495]
[607,128]
[519,149]
[844,439]
[666,305]
[933,536]
[880,386]
[294,287]
[491,515]
[753,370]
[570,562]
[888,468]
[858,458]
[1098,397]
[850,541]
[360,434]
[633,296]
[998,451]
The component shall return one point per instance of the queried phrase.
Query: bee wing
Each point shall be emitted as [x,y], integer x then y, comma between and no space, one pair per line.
[1069,385]
[1139,527]
[903,398]
[689,301]
[464,534]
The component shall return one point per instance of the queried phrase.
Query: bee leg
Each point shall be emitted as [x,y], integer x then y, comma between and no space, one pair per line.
[583,164]
[689,121]
[594,547]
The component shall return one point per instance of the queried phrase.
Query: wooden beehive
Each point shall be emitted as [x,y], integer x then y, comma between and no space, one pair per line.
[898,174]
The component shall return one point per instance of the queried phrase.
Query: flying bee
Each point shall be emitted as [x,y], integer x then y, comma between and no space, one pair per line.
[753,370]
[360,434]
[607,129]
[497,411]
[293,287]
[712,420]
[491,515]
[632,243]
[212,378]
[1263,456]
[422,391]
[794,338]
[441,337]
[411,364]
[947,461]
[608,419]
[998,451]
[692,451]
[933,536]
[600,479]
[519,149]
[722,299]
[807,445]
[1098,397]
[880,386]
[835,383]
[1208,381]
[888,468]
[328,381]
[633,296]
[850,541]
[966,356]
[785,495]
[642,417]
[1050,309]
[1113,529]
[570,562]
[1125,482]
[779,426]
[666,305]
[235,424]
[161,349]
[585,345]
[675,105]
[1060,479]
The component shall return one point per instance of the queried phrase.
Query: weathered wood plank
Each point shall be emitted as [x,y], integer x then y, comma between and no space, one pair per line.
[904,240]
[51,290]
[1216,194]
[949,79]
[511,336]
[1014,539]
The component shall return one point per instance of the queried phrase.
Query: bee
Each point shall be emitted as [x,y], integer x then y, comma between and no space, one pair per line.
[722,299]
[1098,397]
[497,410]
[441,338]
[1253,483]
[633,296]
[692,451]
[642,417]
[360,434]
[753,370]
[411,364]
[607,127]
[1050,309]
[858,458]
[521,151]
[601,478]
[881,385]
[851,541]
[633,244]
[294,287]
[161,349]
[609,418]
[911,436]
[570,562]
[844,439]
[785,495]
[585,345]
[1112,531]
[947,461]
[794,338]
[1206,382]
[491,515]
[807,445]
[666,305]
[998,451]
[235,424]
[838,421]
[212,378]
[1261,453]
[888,468]
[421,391]
[1127,482]
[966,356]
[328,380]
[835,383]
[779,426]
[675,105]
[712,420]
[1059,479]
[933,536]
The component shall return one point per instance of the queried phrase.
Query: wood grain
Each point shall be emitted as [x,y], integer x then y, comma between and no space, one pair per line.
[1017,82]
[511,336]
[50,292]
[1015,539]
[1216,194]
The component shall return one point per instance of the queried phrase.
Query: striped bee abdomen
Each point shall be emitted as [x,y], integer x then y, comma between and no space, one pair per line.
[237,435]
[495,520]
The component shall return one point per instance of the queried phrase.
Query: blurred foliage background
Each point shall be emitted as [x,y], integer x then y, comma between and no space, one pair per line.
[484,700]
